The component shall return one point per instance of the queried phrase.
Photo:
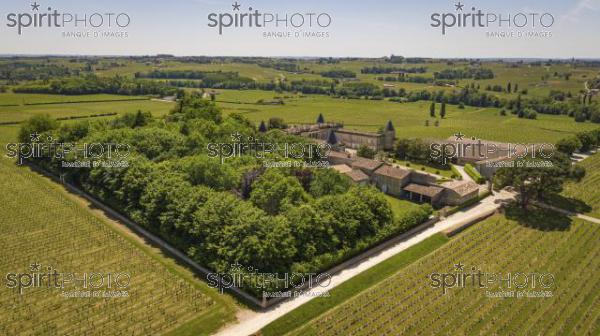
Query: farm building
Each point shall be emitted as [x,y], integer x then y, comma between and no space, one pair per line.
[335,134]
[391,180]
[402,183]
[458,192]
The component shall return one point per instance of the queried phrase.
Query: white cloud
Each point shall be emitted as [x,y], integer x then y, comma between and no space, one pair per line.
[580,8]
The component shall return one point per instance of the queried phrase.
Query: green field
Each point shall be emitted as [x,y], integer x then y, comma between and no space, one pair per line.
[65,110]
[41,224]
[400,206]
[408,118]
[10,98]
[583,196]
[539,242]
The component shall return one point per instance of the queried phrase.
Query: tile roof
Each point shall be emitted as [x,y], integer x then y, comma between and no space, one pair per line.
[461,187]
[395,172]
[342,168]
[366,163]
[424,190]
[357,175]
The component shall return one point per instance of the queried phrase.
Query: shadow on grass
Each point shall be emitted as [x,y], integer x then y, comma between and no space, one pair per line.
[568,203]
[539,218]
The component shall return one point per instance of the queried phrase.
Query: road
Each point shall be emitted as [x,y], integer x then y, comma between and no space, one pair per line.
[569,213]
[253,322]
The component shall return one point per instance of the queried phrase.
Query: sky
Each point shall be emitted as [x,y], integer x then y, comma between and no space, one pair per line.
[358,28]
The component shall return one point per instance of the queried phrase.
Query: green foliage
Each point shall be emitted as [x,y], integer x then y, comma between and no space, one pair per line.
[366,152]
[93,84]
[275,122]
[455,172]
[328,182]
[274,192]
[535,182]
[474,174]
[338,73]
[37,124]
[568,145]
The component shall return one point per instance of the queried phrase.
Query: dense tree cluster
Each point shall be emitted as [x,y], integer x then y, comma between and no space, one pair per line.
[474,73]
[338,73]
[91,84]
[288,66]
[387,70]
[20,71]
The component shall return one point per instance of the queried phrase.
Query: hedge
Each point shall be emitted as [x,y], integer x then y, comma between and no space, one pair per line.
[471,171]
[456,172]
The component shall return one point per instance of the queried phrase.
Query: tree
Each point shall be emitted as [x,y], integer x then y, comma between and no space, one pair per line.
[35,126]
[366,152]
[443,110]
[432,110]
[516,88]
[535,182]
[139,120]
[587,140]
[580,116]
[508,88]
[401,148]
[568,145]
[328,182]
[275,122]
[274,191]
[595,118]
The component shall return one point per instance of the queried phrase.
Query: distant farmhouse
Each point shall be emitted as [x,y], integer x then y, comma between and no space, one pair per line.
[335,134]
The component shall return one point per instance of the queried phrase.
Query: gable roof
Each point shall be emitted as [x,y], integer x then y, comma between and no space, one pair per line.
[394,172]
[357,175]
[429,191]
[366,164]
[340,155]
[342,168]
[461,187]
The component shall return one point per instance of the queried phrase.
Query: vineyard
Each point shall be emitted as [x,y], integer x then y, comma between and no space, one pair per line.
[587,189]
[406,302]
[41,225]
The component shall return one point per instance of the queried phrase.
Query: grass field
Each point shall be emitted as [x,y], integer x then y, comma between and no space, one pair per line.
[541,242]
[58,110]
[10,98]
[408,118]
[400,206]
[583,196]
[41,224]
